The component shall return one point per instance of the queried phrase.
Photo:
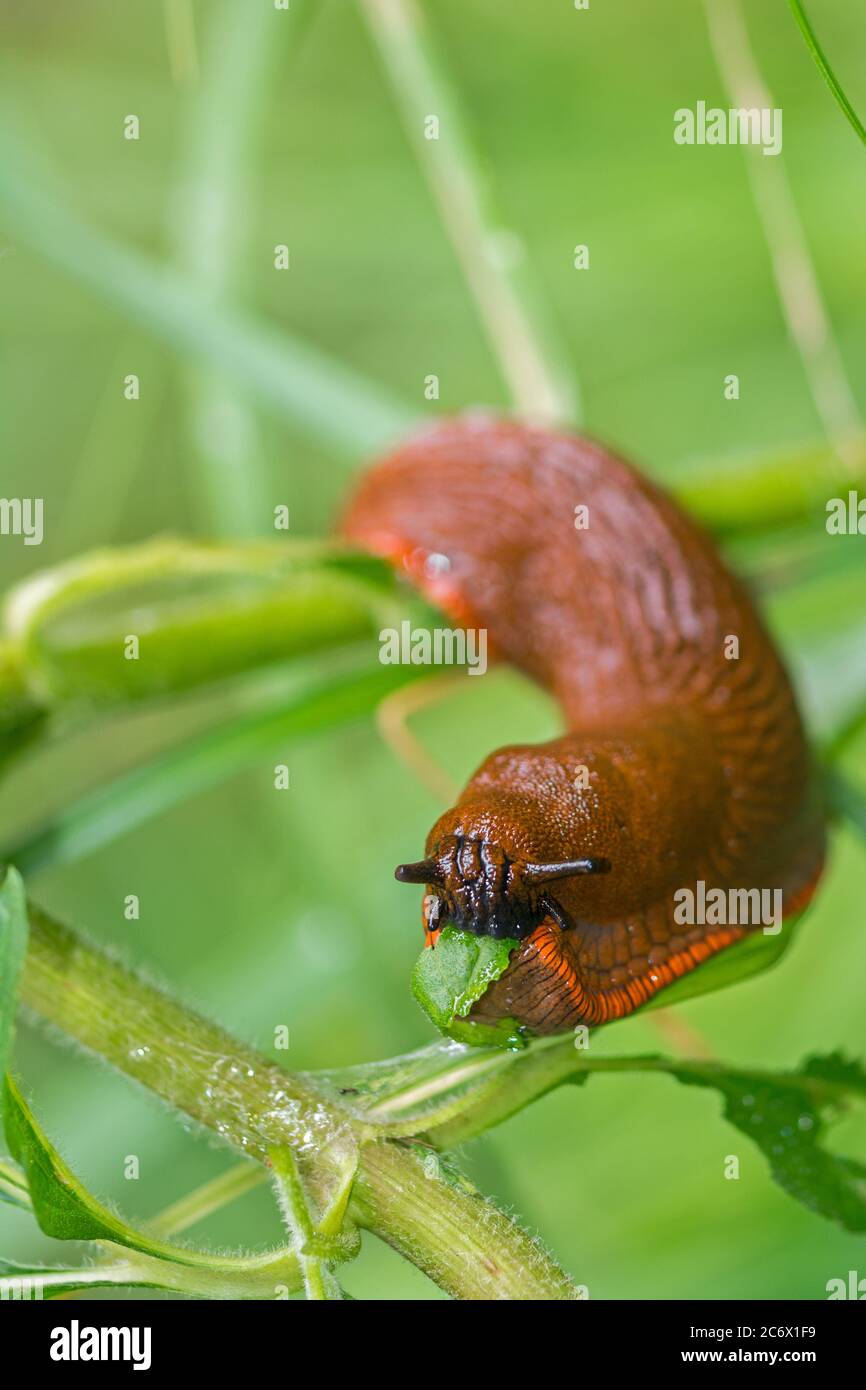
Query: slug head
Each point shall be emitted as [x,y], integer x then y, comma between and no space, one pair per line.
[478,887]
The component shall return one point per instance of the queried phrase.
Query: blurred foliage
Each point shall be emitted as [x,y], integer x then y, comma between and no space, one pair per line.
[281,908]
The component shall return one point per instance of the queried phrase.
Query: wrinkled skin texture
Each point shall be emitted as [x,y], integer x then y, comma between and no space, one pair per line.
[680,764]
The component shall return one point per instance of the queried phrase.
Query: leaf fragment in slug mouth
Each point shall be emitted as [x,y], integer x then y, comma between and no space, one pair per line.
[451,976]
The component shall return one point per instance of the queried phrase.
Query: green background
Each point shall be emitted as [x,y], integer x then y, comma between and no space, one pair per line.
[262,908]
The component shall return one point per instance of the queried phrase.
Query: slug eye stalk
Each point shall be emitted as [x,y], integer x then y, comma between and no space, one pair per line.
[568,868]
[425,871]
[429,871]
[480,889]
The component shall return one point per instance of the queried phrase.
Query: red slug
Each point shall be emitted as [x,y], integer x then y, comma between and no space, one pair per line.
[685,764]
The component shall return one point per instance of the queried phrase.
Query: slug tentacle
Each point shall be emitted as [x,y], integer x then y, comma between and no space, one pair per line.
[482,890]
[685,768]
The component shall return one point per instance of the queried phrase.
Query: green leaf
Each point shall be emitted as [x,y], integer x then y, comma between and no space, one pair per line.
[837,1070]
[449,977]
[783,1117]
[13,948]
[65,1210]
[783,1113]
[451,1094]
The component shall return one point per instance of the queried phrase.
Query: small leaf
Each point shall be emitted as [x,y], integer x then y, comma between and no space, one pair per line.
[13,948]
[62,1206]
[782,1116]
[451,976]
[65,1209]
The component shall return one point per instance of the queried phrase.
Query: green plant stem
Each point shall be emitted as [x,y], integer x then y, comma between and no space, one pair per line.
[492,256]
[557,1061]
[247,1100]
[218,610]
[211,1276]
[463,1242]
[748,492]
[296,1213]
[466,1245]
[104,572]
[242,607]
[260,1278]
[822,63]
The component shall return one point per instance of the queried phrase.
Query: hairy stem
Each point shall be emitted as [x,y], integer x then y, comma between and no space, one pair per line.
[461,1241]
[318,1284]
[465,1237]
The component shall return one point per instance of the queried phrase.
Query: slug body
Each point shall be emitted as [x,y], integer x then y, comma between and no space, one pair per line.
[684,762]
